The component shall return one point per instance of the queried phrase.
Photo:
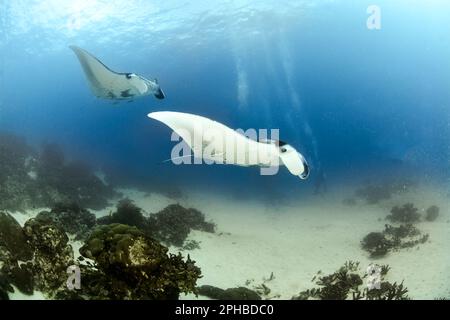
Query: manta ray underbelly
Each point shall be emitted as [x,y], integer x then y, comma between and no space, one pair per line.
[212,140]
[108,84]
[224,145]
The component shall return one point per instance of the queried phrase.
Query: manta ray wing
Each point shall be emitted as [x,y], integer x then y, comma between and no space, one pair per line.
[182,126]
[210,139]
[106,83]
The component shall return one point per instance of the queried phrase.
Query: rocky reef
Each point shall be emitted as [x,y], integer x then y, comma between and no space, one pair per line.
[74,181]
[35,256]
[404,214]
[126,213]
[374,193]
[16,186]
[239,293]
[52,254]
[404,235]
[122,257]
[32,178]
[5,288]
[14,247]
[131,265]
[432,213]
[126,262]
[71,218]
[378,244]
[171,225]
[348,283]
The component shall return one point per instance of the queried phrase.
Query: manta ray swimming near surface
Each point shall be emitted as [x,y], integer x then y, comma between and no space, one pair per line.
[201,133]
[108,84]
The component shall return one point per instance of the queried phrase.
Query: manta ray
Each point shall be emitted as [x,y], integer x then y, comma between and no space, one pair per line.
[108,84]
[211,140]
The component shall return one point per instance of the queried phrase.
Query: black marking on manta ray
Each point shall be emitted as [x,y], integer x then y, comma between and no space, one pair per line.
[160,94]
[126,94]
[111,95]
[278,143]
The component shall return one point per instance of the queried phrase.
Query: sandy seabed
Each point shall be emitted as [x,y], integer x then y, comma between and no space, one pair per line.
[296,240]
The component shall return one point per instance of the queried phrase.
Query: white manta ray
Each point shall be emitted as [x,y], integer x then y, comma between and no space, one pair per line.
[108,84]
[214,141]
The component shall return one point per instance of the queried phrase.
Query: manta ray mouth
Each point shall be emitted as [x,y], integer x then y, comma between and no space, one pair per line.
[305,174]
[160,94]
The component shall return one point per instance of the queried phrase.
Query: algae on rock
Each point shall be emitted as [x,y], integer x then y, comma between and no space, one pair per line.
[136,266]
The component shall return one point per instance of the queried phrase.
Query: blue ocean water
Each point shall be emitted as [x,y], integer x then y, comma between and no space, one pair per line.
[354,101]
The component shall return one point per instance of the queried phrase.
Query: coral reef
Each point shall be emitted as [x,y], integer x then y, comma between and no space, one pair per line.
[13,239]
[405,214]
[191,245]
[52,253]
[240,293]
[5,288]
[62,181]
[16,186]
[432,213]
[347,283]
[126,213]
[376,244]
[35,256]
[336,286]
[21,275]
[30,179]
[131,265]
[71,218]
[374,193]
[262,288]
[405,236]
[392,238]
[128,260]
[173,224]
[128,264]
[14,248]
